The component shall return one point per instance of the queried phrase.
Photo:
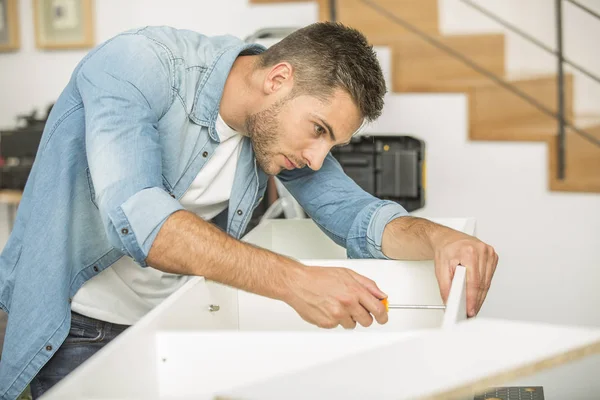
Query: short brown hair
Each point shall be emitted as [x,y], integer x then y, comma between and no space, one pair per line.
[327,56]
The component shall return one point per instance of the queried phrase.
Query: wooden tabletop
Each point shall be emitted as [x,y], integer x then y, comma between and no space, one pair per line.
[10,196]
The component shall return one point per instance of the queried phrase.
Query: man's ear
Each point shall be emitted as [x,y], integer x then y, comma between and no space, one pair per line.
[279,77]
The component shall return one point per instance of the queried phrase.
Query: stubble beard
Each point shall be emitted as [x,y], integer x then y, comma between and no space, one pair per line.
[262,128]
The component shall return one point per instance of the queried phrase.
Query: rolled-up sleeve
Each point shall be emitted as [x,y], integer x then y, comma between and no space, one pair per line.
[385,212]
[126,87]
[349,215]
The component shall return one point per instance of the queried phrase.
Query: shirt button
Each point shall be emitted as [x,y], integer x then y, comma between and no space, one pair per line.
[49,348]
[205,154]
[239,212]
[261,199]
[172,195]
[95,268]
[124,231]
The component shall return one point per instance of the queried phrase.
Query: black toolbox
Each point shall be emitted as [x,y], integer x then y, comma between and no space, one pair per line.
[388,167]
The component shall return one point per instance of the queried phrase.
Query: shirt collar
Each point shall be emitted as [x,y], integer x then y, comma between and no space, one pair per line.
[210,90]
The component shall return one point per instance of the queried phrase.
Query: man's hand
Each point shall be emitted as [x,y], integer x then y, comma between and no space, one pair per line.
[453,248]
[329,296]
[412,238]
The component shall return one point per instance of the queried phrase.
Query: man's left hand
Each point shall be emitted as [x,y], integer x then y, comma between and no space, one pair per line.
[456,248]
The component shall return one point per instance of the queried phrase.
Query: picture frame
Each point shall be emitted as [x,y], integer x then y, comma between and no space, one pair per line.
[63,24]
[9,25]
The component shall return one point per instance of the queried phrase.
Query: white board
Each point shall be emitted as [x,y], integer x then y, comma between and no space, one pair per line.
[456,305]
[198,365]
[406,283]
[452,363]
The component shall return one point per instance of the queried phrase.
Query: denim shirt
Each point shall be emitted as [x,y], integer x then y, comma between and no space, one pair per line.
[124,141]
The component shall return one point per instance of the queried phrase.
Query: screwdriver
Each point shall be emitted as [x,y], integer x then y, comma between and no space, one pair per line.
[411,306]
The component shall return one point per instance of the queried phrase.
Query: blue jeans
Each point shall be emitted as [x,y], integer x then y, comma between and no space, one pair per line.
[86,337]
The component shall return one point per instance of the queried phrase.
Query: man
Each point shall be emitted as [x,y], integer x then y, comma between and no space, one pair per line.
[151,163]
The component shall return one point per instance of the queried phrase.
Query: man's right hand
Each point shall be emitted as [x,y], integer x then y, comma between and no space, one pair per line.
[331,296]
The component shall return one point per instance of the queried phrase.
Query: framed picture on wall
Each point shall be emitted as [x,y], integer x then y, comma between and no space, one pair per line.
[63,24]
[9,25]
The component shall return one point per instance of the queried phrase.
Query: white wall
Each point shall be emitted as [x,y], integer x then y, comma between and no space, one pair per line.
[548,242]
[537,18]
[32,78]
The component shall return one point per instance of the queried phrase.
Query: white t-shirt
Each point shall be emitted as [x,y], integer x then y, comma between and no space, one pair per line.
[125,292]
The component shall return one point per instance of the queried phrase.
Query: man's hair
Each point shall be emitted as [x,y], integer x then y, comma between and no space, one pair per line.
[327,56]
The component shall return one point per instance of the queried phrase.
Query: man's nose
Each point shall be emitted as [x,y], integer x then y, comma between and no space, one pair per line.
[315,157]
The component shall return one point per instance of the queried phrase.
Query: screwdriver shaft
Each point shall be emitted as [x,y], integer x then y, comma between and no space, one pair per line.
[415,306]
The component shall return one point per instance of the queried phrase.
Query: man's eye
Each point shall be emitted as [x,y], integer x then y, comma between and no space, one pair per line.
[319,130]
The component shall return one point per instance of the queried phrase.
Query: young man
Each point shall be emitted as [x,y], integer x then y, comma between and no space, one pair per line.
[151,163]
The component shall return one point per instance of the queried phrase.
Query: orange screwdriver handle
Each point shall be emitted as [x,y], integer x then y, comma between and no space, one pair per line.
[386,304]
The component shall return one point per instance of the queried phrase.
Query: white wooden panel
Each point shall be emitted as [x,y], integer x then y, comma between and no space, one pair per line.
[197,365]
[404,282]
[104,375]
[296,238]
[261,235]
[456,306]
[127,367]
[440,364]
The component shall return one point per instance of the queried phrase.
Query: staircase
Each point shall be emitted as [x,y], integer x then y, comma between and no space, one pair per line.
[495,113]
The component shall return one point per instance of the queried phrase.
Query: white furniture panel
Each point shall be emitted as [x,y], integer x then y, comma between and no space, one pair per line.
[198,365]
[407,283]
[208,338]
[453,363]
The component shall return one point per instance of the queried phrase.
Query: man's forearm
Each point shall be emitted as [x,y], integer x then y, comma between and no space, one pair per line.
[188,245]
[412,238]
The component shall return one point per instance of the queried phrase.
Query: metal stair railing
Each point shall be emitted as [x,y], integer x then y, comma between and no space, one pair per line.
[584,8]
[528,37]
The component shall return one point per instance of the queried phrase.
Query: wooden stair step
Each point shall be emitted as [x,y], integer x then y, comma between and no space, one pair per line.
[491,104]
[524,130]
[418,64]
[582,162]
[421,13]
[482,81]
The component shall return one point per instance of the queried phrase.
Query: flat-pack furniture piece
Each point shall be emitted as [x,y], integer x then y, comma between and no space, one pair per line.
[409,283]
[209,341]
[455,363]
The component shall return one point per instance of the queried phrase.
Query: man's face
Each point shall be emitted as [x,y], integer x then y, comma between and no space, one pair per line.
[300,131]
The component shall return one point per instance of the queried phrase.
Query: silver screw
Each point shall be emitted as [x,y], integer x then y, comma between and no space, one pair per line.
[213,308]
